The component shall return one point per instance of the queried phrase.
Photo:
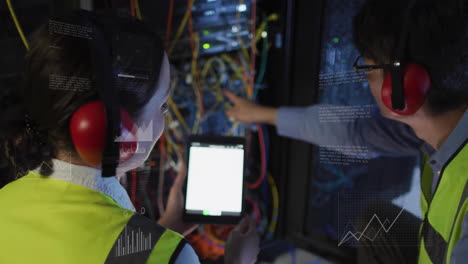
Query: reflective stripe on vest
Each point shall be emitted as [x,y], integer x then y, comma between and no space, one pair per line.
[445,210]
[143,241]
[435,245]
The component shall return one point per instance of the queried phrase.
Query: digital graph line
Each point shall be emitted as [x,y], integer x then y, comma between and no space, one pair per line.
[359,235]
[131,242]
[144,132]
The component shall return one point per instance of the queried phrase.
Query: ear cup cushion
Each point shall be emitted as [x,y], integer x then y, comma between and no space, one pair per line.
[88,133]
[417,83]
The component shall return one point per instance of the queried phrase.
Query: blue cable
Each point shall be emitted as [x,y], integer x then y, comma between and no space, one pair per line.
[292,251]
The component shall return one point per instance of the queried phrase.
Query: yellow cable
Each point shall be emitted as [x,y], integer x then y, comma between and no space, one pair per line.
[174,147]
[175,109]
[179,30]
[208,65]
[198,92]
[261,28]
[208,68]
[168,143]
[18,27]
[235,67]
[234,126]
[137,9]
[246,74]
[178,114]
[272,17]
[244,50]
[196,41]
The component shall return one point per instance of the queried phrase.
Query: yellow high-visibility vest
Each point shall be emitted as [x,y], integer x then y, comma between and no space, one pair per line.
[46,220]
[443,212]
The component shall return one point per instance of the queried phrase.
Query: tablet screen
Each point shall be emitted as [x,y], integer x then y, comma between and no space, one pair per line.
[215,179]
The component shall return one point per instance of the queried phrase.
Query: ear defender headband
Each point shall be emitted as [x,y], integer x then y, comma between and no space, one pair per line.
[102,132]
[406,84]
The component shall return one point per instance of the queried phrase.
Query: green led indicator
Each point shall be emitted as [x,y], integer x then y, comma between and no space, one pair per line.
[206,46]
[206,32]
[206,212]
[336,40]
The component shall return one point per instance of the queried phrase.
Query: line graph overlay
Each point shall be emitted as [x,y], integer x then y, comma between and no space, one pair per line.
[369,218]
[375,217]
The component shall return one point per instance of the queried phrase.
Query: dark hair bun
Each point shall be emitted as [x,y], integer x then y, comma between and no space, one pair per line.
[21,150]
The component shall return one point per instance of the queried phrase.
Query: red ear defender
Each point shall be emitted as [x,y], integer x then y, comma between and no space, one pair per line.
[416,83]
[88,133]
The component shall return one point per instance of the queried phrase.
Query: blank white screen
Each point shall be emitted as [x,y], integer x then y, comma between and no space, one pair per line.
[215,178]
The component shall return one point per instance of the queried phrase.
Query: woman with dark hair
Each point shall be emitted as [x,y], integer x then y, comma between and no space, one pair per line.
[59,208]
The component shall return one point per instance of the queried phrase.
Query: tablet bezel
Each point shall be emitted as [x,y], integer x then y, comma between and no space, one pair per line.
[205,219]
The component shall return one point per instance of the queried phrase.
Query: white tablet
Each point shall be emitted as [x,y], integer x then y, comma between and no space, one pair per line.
[215,180]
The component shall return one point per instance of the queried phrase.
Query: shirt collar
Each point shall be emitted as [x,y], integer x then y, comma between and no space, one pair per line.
[455,140]
[91,178]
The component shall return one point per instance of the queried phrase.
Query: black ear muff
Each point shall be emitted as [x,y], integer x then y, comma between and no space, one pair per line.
[406,84]
[102,132]
[416,83]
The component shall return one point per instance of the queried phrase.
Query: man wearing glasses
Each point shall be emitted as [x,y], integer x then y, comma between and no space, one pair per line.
[415,59]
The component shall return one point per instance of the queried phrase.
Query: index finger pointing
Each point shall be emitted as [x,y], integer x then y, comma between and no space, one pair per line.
[234,98]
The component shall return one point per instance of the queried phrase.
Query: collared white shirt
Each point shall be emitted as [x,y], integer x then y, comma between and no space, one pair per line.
[91,178]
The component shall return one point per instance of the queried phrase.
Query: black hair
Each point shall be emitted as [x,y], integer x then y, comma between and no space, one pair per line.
[57,79]
[437,40]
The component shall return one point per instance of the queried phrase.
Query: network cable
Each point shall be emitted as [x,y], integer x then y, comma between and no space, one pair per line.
[17,24]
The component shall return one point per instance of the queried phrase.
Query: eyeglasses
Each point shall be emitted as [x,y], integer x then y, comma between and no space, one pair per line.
[361,68]
[165,108]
